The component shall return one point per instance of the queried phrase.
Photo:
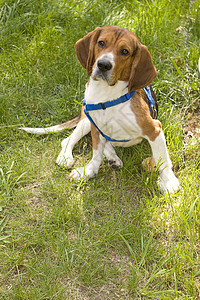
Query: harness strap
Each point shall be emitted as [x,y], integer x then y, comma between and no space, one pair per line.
[149,97]
[104,105]
[104,135]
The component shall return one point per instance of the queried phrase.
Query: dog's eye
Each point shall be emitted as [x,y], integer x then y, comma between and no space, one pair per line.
[101,44]
[124,52]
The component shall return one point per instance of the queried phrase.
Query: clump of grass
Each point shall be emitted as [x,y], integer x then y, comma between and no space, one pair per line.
[8,183]
[115,236]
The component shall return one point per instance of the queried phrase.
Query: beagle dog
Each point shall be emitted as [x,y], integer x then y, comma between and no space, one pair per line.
[119,105]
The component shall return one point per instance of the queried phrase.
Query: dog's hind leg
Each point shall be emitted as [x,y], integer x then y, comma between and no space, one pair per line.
[65,158]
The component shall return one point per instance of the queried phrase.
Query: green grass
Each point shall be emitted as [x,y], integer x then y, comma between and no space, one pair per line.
[115,236]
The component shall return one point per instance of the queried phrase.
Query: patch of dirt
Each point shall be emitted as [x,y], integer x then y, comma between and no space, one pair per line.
[192,127]
[111,290]
[35,203]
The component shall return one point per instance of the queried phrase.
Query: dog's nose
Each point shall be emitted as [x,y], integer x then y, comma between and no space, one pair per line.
[104,65]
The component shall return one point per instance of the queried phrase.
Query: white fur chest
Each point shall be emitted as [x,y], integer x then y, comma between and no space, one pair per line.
[118,122]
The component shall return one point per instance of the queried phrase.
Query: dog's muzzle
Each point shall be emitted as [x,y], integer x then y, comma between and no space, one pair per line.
[103,68]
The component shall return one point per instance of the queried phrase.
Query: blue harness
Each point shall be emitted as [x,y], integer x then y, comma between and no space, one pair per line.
[104,105]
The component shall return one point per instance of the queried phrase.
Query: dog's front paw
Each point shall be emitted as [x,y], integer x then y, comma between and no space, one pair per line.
[169,185]
[78,174]
[64,160]
[83,173]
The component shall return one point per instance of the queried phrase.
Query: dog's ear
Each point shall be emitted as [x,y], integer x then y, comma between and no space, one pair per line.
[85,49]
[143,71]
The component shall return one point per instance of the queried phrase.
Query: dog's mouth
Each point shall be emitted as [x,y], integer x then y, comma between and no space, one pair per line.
[98,75]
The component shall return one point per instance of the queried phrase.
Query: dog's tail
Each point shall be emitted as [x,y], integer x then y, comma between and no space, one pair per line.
[67,125]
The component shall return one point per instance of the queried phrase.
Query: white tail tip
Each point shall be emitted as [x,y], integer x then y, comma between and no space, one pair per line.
[47,130]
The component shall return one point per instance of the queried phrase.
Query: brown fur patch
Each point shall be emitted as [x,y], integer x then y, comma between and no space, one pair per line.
[150,128]
[83,116]
[149,164]
[95,137]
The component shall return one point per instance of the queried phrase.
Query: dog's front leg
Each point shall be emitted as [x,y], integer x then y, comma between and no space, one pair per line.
[113,160]
[168,181]
[92,168]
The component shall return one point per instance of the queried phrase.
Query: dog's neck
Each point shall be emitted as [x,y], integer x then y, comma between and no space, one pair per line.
[99,91]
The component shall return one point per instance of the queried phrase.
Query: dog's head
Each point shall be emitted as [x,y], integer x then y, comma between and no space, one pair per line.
[112,53]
